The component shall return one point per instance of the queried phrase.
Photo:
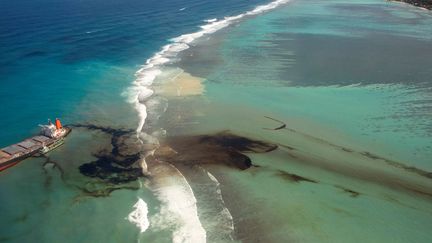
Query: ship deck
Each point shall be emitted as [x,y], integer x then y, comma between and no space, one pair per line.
[26,148]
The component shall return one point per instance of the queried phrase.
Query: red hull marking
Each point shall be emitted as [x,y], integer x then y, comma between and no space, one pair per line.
[8,166]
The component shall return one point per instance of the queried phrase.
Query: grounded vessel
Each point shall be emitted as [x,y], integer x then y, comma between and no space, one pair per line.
[50,137]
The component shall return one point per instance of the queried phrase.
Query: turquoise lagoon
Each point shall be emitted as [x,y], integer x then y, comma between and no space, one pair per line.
[351,81]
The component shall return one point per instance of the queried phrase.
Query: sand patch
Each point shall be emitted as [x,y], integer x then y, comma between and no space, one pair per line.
[182,84]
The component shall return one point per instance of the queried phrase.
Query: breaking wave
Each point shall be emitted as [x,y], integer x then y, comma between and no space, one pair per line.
[210,20]
[139,215]
[225,212]
[140,92]
[179,207]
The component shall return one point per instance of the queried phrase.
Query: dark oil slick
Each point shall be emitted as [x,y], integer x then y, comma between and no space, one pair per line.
[118,165]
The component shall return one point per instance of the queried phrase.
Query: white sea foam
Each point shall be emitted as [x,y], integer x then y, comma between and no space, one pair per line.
[146,77]
[178,204]
[148,73]
[139,215]
[178,198]
[210,20]
[144,94]
[225,212]
[144,166]
[142,112]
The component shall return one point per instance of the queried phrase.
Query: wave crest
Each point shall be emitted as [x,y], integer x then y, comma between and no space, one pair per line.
[139,215]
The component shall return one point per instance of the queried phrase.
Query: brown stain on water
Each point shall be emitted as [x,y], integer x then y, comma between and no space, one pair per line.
[225,148]
[406,182]
[222,148]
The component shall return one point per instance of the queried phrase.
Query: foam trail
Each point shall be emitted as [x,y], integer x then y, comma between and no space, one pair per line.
[179,203]
[225,210]
[210,20]
[214,216]
[144,166]
[223,222]
[139,215]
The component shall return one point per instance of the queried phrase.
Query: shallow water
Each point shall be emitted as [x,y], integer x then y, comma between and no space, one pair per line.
[354,94]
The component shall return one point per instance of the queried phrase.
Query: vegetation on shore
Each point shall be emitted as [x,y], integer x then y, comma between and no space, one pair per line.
[427,4]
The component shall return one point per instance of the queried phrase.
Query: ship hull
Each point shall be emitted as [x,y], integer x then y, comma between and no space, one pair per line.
[15,161]
[41,145]
[8,165]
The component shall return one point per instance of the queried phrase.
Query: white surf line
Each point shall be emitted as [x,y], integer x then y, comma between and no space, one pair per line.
[139,215]
[225,212]
[210,20]
[178,204]
[140,93]
[214,216]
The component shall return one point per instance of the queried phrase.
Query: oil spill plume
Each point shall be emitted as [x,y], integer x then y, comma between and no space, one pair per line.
[223,148]
[293,177]
[118,165]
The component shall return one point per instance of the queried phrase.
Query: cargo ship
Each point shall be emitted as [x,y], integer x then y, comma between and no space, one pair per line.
[51,136]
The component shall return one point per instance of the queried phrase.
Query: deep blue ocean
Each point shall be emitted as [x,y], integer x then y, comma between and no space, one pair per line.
[54,52]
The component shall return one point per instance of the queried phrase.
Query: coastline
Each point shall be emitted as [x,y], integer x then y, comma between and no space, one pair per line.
[423,4]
